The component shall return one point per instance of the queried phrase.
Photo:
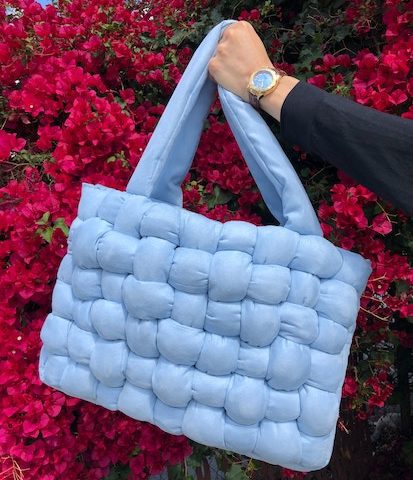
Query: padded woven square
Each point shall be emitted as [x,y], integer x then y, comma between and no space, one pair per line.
[234,335]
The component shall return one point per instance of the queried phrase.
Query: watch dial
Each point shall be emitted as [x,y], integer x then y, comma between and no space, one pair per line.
[262,79]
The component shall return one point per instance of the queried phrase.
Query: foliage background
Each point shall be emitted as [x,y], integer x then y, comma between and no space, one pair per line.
[82,86]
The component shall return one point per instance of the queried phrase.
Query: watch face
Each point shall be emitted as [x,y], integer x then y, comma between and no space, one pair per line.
[262,79]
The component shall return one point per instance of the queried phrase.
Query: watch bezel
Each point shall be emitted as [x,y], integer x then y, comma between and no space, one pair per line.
[259,92]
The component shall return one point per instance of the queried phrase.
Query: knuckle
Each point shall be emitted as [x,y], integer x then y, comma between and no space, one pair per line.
[244,24]
[230,31]
[212,65]
[221,48]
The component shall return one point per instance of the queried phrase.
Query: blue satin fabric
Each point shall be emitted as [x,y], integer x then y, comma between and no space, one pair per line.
[234,335]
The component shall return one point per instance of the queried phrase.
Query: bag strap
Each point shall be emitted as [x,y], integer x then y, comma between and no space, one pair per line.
[170,151]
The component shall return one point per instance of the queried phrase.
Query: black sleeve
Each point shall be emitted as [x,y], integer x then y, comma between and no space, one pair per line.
[372,147]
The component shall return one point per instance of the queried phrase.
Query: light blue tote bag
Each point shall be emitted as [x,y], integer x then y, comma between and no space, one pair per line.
[234,335]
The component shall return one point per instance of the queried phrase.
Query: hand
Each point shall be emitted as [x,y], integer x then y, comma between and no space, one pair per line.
[239,53]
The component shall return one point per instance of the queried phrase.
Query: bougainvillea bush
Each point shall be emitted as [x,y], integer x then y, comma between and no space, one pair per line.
[82,86]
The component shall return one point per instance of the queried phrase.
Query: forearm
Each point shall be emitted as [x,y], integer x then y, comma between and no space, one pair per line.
[273,102]
[372,147]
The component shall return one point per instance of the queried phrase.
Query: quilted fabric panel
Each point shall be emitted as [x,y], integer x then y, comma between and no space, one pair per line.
[234,335]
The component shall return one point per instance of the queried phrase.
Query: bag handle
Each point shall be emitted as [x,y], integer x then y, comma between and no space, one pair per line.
[170,151]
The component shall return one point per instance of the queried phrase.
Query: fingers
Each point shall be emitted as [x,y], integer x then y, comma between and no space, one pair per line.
[235,53]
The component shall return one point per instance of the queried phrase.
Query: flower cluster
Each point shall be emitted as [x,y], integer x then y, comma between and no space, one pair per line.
[361,14]
[331,70]
[385,82]
[82,87]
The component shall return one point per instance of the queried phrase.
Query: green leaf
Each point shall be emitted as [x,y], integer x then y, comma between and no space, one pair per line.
[219,197]
[118,156]
[193,461]
[402,286]
[46,234]
[309,29]
[60,223]
[178,37]
[46,230]
[172,57]
[199,452]
[176,472]
[236,472]
[135,451]
[144,38]
[119,472]
[341,34]
[382,356]
[343,90]
[44,220]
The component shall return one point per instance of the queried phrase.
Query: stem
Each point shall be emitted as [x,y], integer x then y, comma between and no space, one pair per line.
[383,319]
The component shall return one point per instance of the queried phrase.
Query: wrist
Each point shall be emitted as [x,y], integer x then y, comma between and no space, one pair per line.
[273,102]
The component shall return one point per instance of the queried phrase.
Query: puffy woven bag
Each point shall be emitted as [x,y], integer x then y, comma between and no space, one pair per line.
[234,335]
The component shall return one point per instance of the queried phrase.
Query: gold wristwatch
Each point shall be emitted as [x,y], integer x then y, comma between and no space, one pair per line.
[262,82]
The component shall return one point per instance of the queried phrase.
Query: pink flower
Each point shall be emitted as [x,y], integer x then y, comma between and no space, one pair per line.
[350,387]
[319,81]
[128,96]
[381,224]
[8,143]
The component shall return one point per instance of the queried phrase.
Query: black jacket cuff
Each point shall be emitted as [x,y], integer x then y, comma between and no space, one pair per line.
[298,113]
